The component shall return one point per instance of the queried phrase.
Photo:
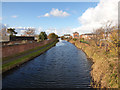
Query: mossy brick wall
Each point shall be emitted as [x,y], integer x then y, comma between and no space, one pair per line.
[15,49]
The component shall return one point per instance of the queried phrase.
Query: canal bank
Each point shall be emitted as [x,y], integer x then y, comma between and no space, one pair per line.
[104,71]
[20,58]
[63,66]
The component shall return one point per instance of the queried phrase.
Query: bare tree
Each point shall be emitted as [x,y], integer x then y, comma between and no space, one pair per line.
[103,33]
[107,31]
[30,32]
[4,34]
[97,35]
[11,31]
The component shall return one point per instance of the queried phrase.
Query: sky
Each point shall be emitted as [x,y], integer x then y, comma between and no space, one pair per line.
[59,17]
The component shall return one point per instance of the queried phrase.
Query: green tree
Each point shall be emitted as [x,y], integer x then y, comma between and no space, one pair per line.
[43,36]
[11,31]
[52,36]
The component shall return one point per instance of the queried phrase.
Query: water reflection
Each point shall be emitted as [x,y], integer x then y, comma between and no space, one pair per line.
[63,66]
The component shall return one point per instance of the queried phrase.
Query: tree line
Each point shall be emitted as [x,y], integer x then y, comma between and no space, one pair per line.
[30,32]
[43,36]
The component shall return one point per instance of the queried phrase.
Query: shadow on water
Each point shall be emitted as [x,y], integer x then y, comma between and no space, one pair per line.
[63,66]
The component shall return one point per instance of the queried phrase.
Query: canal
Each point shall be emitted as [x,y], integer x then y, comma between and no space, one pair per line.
[62,66]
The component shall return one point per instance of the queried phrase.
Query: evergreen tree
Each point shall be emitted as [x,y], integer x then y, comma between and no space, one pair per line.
[43,36]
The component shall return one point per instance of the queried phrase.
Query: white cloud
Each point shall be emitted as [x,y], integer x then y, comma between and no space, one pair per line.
[56,13]
[48,30]
[46,15]
[66,30]
[38,30]
[14,16]
[59,13]
[51,30]
[60,31]
[22,31]
[93,18]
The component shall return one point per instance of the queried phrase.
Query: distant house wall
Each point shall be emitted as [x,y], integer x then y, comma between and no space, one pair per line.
[81,36]
[67,35]
[76,35]
[15,49]
[87,36]
[70,36]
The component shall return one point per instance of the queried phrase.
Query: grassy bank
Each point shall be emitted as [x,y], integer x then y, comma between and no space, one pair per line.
[25,58]
[105,68]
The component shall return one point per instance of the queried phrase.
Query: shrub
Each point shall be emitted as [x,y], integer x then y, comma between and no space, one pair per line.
[52,36]
[82,41]
[74,39]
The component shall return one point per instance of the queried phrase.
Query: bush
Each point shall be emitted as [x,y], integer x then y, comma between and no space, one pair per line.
[43,36]
[82,41]
[74,39]
[62,37]
[52,36]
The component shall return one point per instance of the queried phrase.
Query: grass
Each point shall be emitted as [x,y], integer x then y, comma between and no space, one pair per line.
[74,39]
[23,59]
[82,41]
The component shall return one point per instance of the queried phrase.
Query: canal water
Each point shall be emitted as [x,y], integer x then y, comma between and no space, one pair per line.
[62,66]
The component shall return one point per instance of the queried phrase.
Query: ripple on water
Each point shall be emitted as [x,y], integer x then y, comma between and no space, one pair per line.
[63,66]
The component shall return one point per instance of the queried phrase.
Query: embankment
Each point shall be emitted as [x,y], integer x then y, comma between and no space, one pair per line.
[105,68]
[26,53]
[10,50]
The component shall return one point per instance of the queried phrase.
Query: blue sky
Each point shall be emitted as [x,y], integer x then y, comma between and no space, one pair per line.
[32,14]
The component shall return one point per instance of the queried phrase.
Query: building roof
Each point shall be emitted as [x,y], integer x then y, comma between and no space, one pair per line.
[67,35]
[75,33]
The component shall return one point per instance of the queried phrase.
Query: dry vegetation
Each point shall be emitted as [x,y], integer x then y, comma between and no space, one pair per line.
[105,57]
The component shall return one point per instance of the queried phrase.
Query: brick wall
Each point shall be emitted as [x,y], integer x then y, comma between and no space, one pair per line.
[15,49]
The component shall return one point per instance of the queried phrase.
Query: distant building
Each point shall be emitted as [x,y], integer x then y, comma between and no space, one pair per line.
[87,36]
[18,38]
[76,35]
[70,36]
[67,35]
